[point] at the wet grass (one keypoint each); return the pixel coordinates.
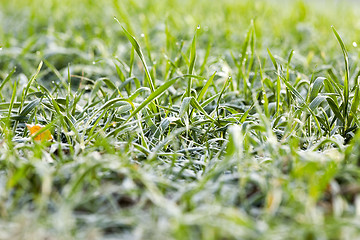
(179, 120)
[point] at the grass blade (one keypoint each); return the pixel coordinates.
(192, 62)
(7, 78)
(347, 71)
(159, 91)
(316, 86)
(335, 108)
(139, 52)
(205, 88)
(278, 84)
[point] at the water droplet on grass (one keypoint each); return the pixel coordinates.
(198, 27)
(93, 62)
(354, 44)
(142, 35)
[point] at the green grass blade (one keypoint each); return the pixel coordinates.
(209, 100)
(31, 80)
(346, 91)
(294, 91)
(29, 107)
(159, 91)
(245, 115)
(316, 86)
(195, 104)
(316, 102)
(354, 106)
(278, 83)
(205, 88)
(13, 97)
(273, 60)
(184, 106)
(335, 108)
(138, 50)
(7, 78)
(192, 62)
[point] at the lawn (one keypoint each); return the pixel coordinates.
(179, 119)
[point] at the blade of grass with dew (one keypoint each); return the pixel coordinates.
(242, 59)
(159, 91)
(205, 87)
(8, 77)
(226, 84)
(252, 42)
(278, 85)
(298, 95)
(346, 91)
(13, 97)
(315, 88)
(195, 104)
(354, 107)
(138, 50)
(192, 62)
(25, 91)
(265, 99)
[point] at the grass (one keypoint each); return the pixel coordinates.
(179, 120)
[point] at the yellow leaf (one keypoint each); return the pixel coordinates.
(44, 136)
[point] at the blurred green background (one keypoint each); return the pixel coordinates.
(84, 31)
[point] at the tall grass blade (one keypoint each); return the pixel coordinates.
(192, 62)
(346, 90)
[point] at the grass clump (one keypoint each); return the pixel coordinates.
(245, 128)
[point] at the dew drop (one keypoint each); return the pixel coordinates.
(93, 62)
(142, 35)
(354, 44)
(198, 27)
